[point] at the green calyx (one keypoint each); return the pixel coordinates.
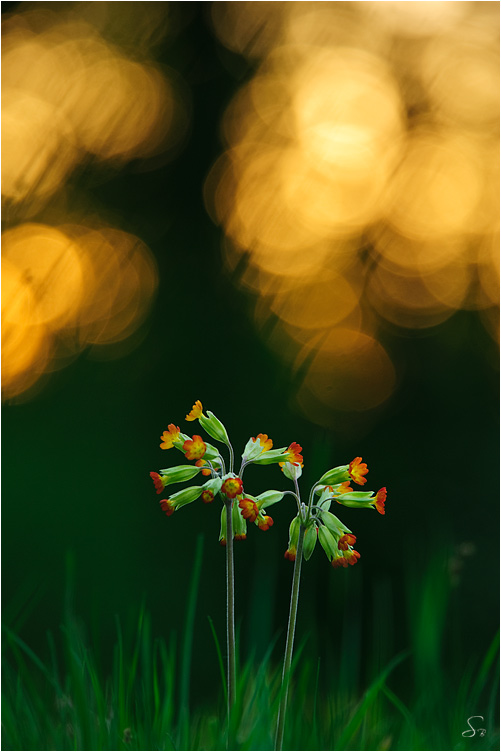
(333, 524)
(179, 473)
(268, 498)
(327, 541)
(239, 523)
(214, 485)
(214, 427)
(334, 476)
(271, 456)
(310, 540)
(186, 496)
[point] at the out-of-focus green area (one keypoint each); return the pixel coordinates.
(331, 305)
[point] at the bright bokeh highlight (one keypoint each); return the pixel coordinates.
(358, 189)
(80, 91)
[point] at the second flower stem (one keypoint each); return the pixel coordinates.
(291, 628)
(230, 609)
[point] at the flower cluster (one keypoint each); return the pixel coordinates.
(313, 522)
(321, 525)
(244, 507)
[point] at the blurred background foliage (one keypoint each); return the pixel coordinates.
(289, 211)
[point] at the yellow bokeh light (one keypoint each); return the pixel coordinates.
(316, 304)
(25, 345)
(38, 151)
(437, 188)
(64, 289)
(350, 371)
(138, 280)
(50, 265)
(364, 150)
(72, 95)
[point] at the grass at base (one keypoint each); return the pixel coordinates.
(137, 706)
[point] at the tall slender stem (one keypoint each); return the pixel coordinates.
(291, 627)
(230, 609)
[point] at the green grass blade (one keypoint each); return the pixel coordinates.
(184, 693)
(220, 660)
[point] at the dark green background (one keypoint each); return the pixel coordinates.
(76, 459)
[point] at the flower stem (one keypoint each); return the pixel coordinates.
(291, 627)
(230, 609)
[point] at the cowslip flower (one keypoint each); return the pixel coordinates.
(205, 468)
(180, 499)
(209, 462)
(345, 541)
(344, 558)
(207, 496)
(239, 525)
(292, 454)
(209, 423)
(337, 544)
(355, 471)
(178, 474)
(195, 412)
(316, 520)
(194, 448)
(256, 447)
(250, 510)
(291, 470)
(158, 482)
(264, 522)
(232, 486)
(293, 539)
(169, 437)
(364, 499)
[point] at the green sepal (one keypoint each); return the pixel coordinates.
(239, 523)
(214, 485)
(333, 524)
(292, 470)
(334, 476)
(179, 473)
(186, 496)
(214, 427)
(325, 499)
(268, 498)
(252, 450)
(222, 531)
(357, 499)
(357, 496)
(211, 453)
(294, 528)
(310, 541)
(327, 541)
(271, 456)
